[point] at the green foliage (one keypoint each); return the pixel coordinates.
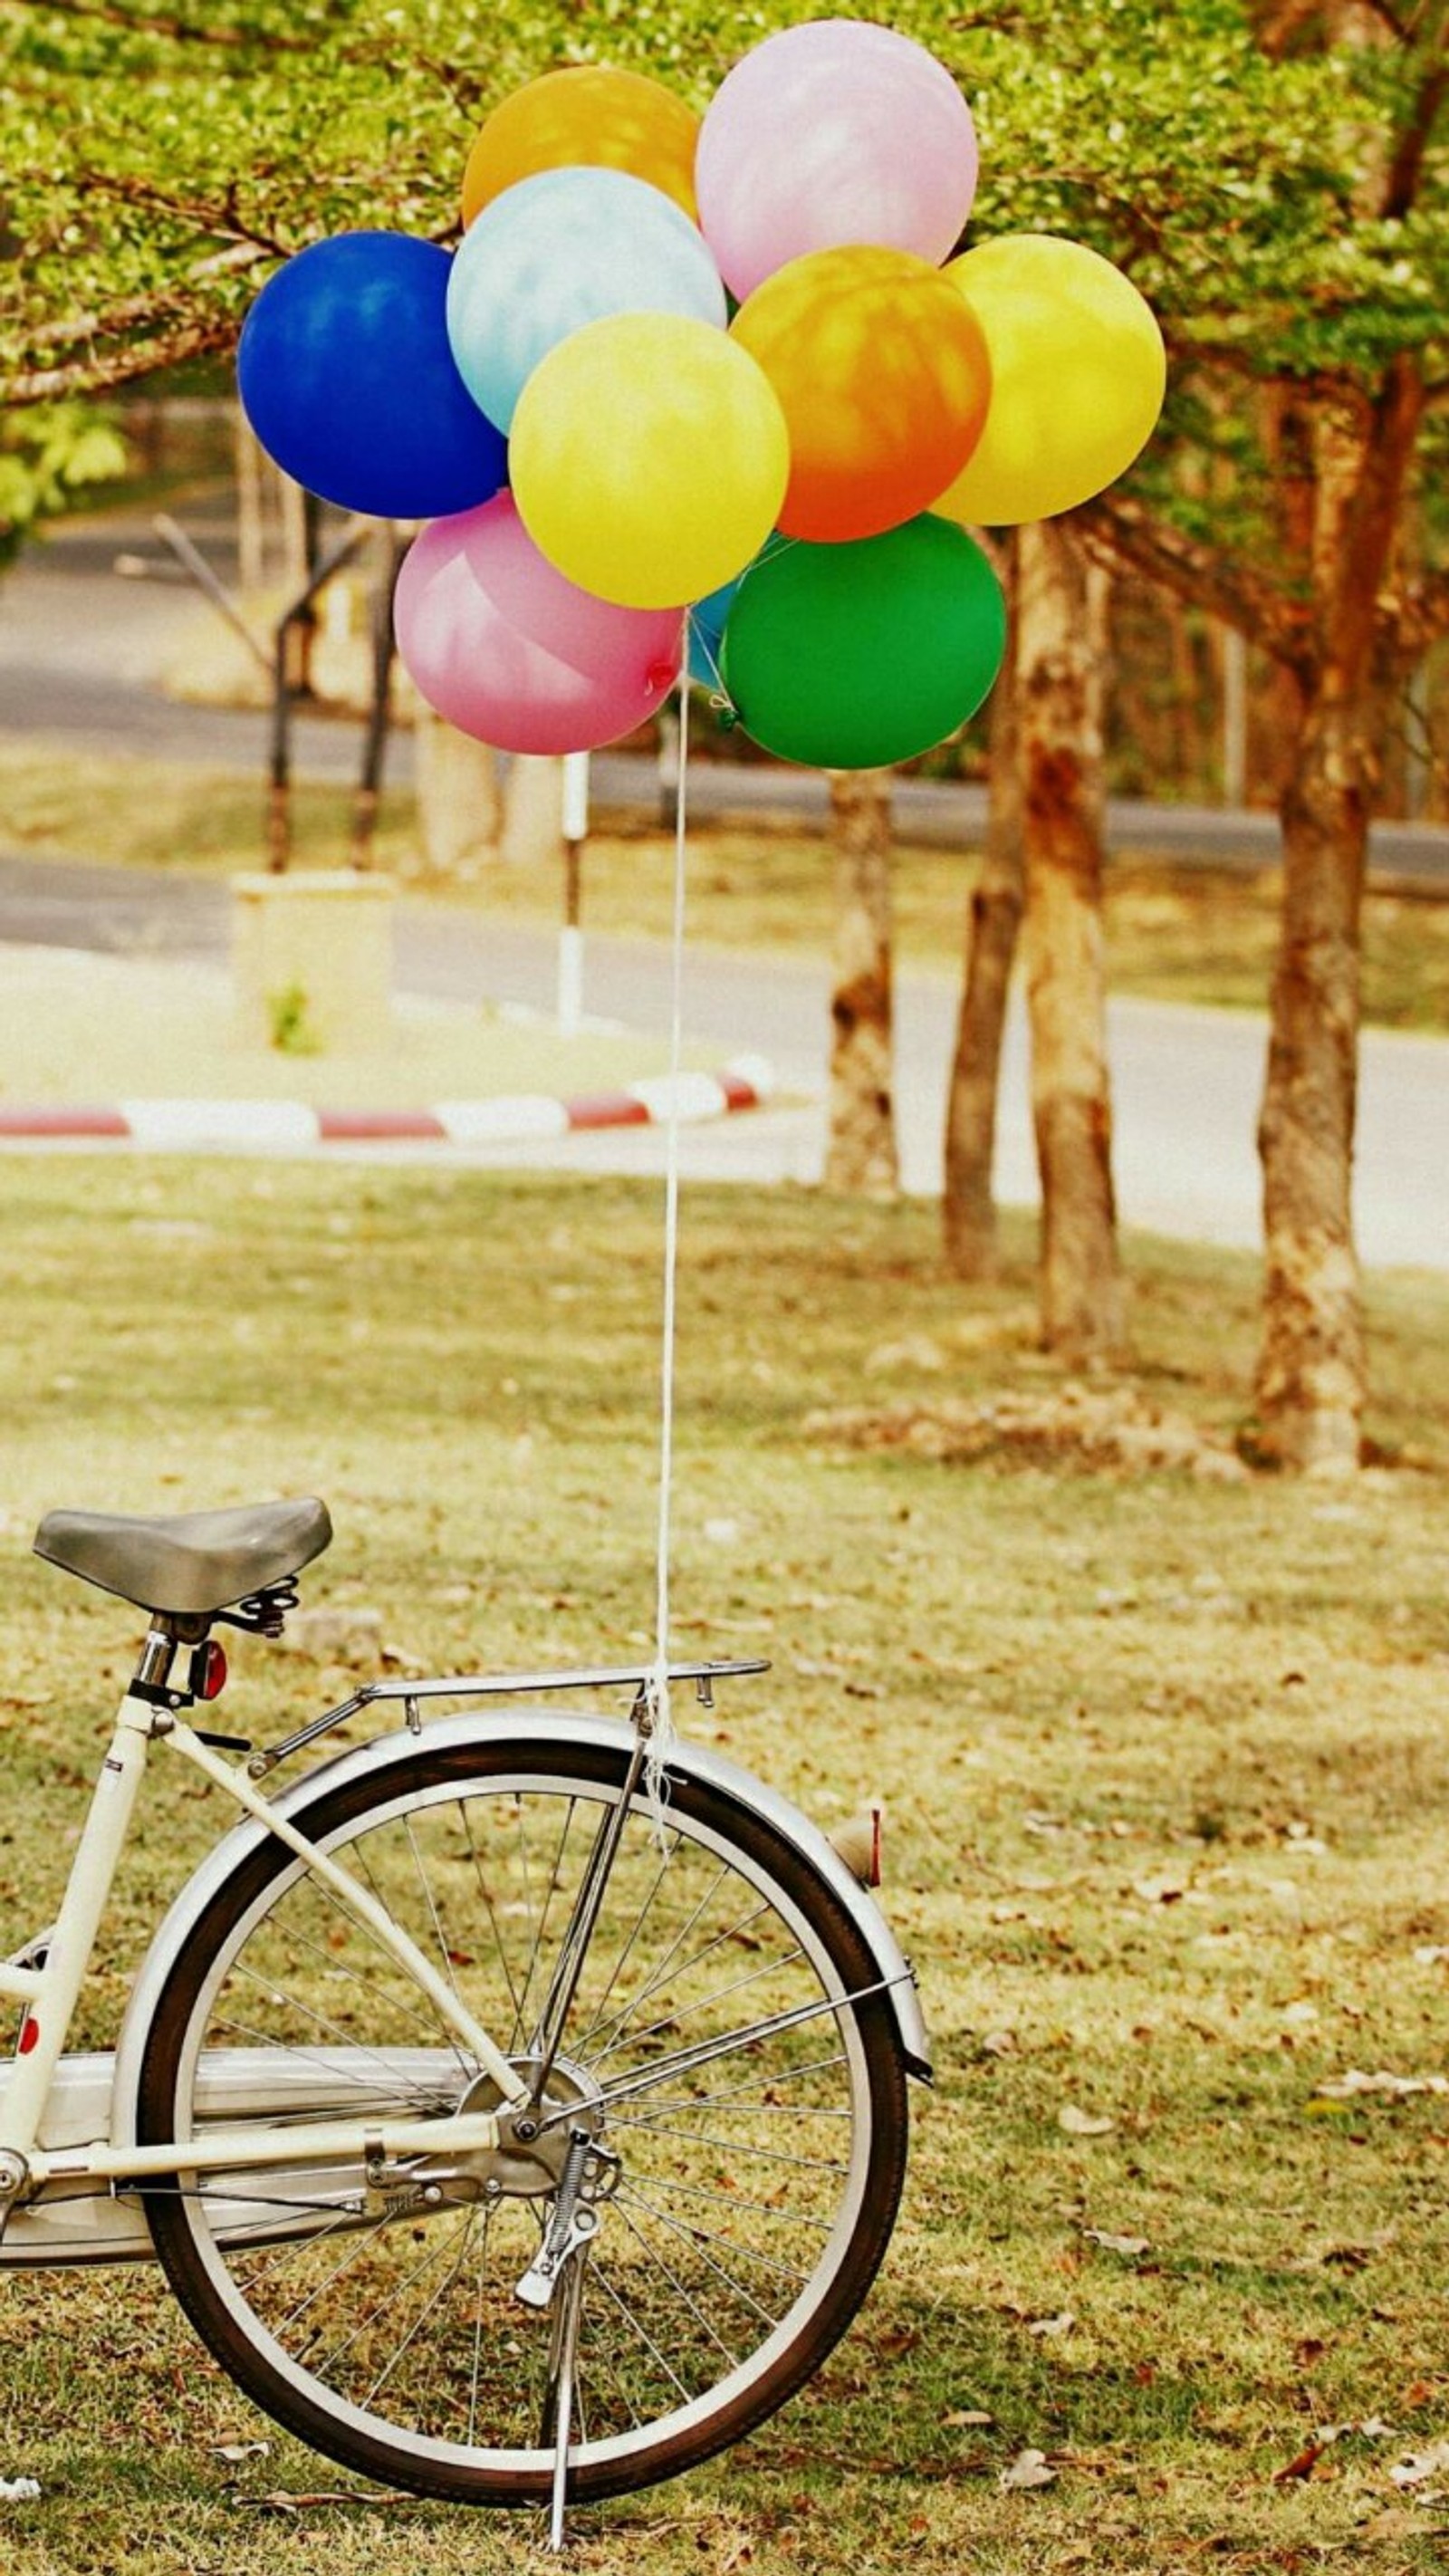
(157, 164)
(50, 458)
(1278, 188)
(290, 1023)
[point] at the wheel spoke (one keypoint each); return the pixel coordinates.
(690, 2302)
(751, 2158)
(585, 2042)
(671, 2020)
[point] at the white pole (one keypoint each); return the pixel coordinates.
(571, 937)
(576, 795)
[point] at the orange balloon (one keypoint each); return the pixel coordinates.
(882, 373)
(589, 118)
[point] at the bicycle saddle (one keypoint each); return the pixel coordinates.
(190, 1563)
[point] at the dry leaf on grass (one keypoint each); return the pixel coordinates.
(310, 2500)
(1047, 2326)
(1083, 2124)
(1420, 2466)
(1369, 2428)
(964, 2416)
(1127, 2245)
(1303, 2466)
(1393, 2088)
(1394, 2523)
(1028, 2469)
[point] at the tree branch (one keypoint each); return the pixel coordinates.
(1125, 532)
(145, 312)
(181, 31)
(102, 371)
(206, 216)
(1401, 188)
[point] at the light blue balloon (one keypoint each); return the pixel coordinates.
(561, 249)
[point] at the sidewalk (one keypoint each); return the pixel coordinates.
(98, 1050)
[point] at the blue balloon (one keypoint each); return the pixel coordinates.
(707, 619)
(706, 626)
(560, 249)
(345, 374)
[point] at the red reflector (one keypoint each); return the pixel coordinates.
(29, 2035)
(208, 1671)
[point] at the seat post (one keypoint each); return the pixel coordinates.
(169, 1630)
(158, 1654)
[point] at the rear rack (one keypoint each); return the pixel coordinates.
(631, 1677)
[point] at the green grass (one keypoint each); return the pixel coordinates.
(1202, 935)
(1167, 1787)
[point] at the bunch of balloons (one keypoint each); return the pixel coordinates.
(713, 390)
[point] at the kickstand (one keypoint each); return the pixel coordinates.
(559, 2400)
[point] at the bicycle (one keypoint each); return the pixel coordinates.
(516, 2120)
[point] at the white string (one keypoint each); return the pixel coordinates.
(661, 1720)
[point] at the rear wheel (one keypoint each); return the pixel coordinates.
(745, 2190)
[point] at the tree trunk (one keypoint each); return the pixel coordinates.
(993, 919)
(1311, 1367)
(459, 807)
(861, 1150)
(1059, 664)
(1311, 1361)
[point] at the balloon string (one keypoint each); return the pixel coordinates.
(661, 1721)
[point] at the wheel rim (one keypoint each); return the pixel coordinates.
(741, 2182)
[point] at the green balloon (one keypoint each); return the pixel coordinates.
(860, 655)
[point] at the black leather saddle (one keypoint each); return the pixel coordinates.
(189, 1564)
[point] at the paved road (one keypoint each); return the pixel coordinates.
(78, 651)
(1185, 1082)
(80, 648)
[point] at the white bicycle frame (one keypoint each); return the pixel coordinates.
(50, 1992)
(68, 2156)
(77, 2180)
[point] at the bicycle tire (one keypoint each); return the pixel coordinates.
(724, 2268)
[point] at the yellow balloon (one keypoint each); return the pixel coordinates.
(648, 459)
(1078, 374)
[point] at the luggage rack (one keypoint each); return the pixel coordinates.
(633, 1677)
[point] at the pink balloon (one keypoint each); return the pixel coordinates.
(507, 650)
(829, 133)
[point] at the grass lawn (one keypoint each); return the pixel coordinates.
(1166, 1770)
(1191, 935)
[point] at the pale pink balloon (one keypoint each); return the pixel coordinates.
(829, 133)
(508, 651)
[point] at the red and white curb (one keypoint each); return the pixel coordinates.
(284, 1126)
